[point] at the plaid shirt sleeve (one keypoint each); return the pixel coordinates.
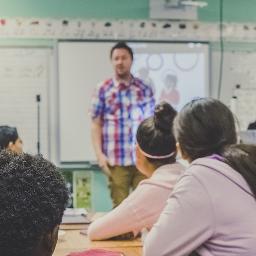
(97, 103)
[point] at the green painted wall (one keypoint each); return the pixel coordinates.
(131, 9)
(233, 10)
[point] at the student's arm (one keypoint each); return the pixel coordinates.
(186, 222)
(133, 214)
(119, 221)
(96, 133)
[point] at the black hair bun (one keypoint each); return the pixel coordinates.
(163, 116)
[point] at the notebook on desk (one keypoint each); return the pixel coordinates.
(74, 219)
(75, 216)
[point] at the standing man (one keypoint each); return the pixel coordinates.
(119, 105)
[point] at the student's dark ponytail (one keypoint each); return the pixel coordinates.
(155, 136)
(164, 115)
(242, 158)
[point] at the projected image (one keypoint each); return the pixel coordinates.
(174, 77)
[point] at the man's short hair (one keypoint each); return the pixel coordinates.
(121, 45)
(33, 197)
(252, 126)
(7, 134)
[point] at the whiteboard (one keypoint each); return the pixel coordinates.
(24, 73)
(238, 71)
(245, 106)
(83, 65)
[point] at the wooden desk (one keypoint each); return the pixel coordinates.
(73, 241)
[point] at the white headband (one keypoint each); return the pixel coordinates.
(155, 157)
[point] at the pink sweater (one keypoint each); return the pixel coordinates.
(141, 208)
(211, 210)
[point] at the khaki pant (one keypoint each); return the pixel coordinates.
(122, 179)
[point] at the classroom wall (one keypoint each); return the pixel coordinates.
(116, 9)
(233, 11)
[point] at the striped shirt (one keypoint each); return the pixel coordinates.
(121, 108)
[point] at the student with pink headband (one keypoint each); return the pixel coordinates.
(156, 158)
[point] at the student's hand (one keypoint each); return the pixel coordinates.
(104, 164)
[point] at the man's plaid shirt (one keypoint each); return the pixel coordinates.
(121, 108)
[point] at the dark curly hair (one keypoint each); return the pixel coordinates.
(33, 197)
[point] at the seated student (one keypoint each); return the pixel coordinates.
(212, 207)
(9, 139)
(33, 197)
(155, 152)
(252, 126)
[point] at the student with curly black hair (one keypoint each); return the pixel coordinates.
(9, 139)
(33, 197)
